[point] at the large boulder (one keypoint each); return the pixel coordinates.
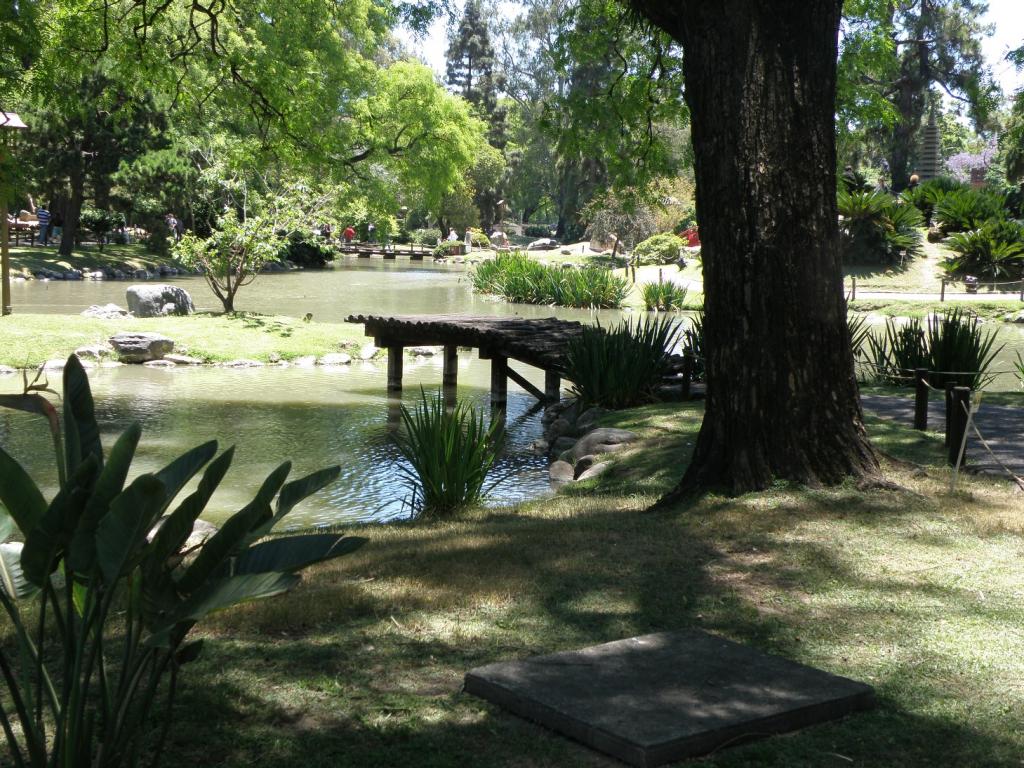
(140, 347)
(159, 300)
(602, 440)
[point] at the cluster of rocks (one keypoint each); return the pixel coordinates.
(280, 266)
(1014, 317)
(112, 273)
(575, 442)
(146, 301)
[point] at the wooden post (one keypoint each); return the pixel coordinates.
(552, 386)
(395, 369)
(451, 366)
(499, 382)
(921, 399)
(949, 407)
(853, 289)
(688, 362)
(942, 290)
(957, 425)
(5, 262)
(1021, 282)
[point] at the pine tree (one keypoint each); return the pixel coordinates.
(470, 70)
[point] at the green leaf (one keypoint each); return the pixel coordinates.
(122, 531)
(46, 543)
(21, 496)
(176, 474)
(219, 547)
(110, 483)
(7, 526)
(294, 492)
(224, 593)
(82, 433)
(292, 553)
(12, 578)
(176, 527)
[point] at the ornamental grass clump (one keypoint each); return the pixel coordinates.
(519, 278)
(621, 366)
(100, 593)
(449, 453)
(664, 296)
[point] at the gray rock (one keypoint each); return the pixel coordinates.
(539, 446)
(243, 363)
(588, 419)
(159, 300)
(561, 471)
(308, 361)
(183, 360)
(543, 244)
(92, 352)
(368, 352)
(132, 347)
(6, 370)
(560, 427)
(423, 351)
(603, 440)
(274, 357)
(584, 463)
(54, 365)
(105, 312)
(1015, 318)
(562, 445)
(595, 471)
(163, 363)
(334, 359)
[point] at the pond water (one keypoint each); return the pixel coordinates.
(316, 417)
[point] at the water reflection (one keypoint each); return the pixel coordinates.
(314, 417)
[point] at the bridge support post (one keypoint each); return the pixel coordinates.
(552, 386)
(450, 377)
(499, 382)
(395, 369)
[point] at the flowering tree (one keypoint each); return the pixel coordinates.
(961, 164)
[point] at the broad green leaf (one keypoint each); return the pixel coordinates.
(12, 578)
(110, 483)
(223, 593)
(219, 547)
(46, 543)
(176, 474)
(122, 531)
(7, 526)
(80, 428)
(176, 527)
(21, 496)
(294, 492)
(292, 553)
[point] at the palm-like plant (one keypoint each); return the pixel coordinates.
(995, 250)
(877, 228)
(101, 598)
(962, 210)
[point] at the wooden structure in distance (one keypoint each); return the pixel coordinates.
(542, 343)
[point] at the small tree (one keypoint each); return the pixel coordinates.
(241, 244)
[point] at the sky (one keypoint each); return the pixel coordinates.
(1006, 15)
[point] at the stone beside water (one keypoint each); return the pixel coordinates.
(658, 698)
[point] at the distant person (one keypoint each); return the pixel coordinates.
(348, 234)
(499, 239)
(172, 225)
(915, 181)
(43, 216)
(469, 240)
(371, 231)
(56, 226)
(453, 236)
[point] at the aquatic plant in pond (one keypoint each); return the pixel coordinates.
(100, 597)
(662, 295)
(621, 366)
(450, 454)
(517, 277)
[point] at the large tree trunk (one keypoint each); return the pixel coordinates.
(782, 399)
(72, 213)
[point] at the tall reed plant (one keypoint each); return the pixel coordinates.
(663, 296)
(621, 366)
(450, 454)
(693, 344)
(517, 277)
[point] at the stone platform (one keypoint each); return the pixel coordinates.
(654, 699)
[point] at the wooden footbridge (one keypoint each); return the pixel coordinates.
(542, 343)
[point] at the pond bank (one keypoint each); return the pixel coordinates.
(363, 663)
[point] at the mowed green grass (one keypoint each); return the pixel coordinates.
(26, 259)
(917, 592)
(30, 340)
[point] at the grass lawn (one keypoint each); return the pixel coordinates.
(919, 594)
(918, 275)
(29, 340)
(26, 259)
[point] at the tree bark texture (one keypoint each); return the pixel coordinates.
(782, 400)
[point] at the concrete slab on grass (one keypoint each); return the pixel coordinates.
(654, 699)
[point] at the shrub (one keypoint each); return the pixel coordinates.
(424, 236)
(449, 455)
(665, 296)
(517, 277)
(925, 195)
(101, 600)
(962, 210)
(994, 251)
(659, 249)
(876, 228)
(537, 230)
(479, 239)
(622, 366)
(952, 347)
(306, 250)
(101, 222)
